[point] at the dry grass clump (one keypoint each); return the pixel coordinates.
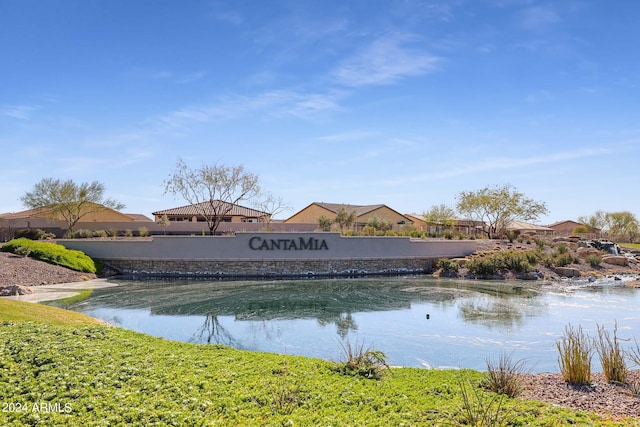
(503, 376)
(612, 357)
(575, 350)
(359, 360)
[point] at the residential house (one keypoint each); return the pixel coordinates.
(363, 213)
(565, 228)
(231, 213)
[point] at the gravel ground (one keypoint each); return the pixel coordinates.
(19, 275)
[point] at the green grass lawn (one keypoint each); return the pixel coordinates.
(19, 311)
(92, 375)
(630, 245)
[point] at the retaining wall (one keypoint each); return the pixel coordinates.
(271, 254)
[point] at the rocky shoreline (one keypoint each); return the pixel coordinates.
(20, 276)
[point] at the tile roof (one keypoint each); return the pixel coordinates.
(220, 206)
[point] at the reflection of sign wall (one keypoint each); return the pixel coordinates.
(300, 244)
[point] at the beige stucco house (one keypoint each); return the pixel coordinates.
(363, 213)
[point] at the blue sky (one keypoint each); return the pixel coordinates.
(405, 103)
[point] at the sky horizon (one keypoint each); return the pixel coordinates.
(405, 103)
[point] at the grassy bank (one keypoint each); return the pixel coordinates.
(19, 311)
(85, 374)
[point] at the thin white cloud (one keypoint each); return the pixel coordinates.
(21, 112)
(346, 136)
(191, 77)
(538, 18)
(538, 96)
(273, 104)
(230, 17)
(502, 163)
(162, 75)
(386, 61)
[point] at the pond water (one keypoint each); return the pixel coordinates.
(417, 321)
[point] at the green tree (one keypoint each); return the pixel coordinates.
(497, 206)
(344, 217)
(598, 222)
(440, 216)
(212, 190)
(325, 223)
(163, 222)
(379, 224)
(69, 200)
(623, 225)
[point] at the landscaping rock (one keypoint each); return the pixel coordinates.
(616, 260)
(14, 290)
(567, 272)
(584, 252)
(633, 283)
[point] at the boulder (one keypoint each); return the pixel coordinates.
(616, 260)
(584, 252)
(567, 271)
(14, 290)
(633, 283)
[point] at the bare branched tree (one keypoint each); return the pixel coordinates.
(212, 190)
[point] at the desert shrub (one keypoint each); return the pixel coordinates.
(562, 259)
(112, 232)
(366, 362)
(534, 257)
(611, 355)
(561, 249)
(484, 266)
(575, 350)
(143, 231)
(593, 260)
(503, 376)
(52, 253)
(520, 262)
(447, 264)
(81, 234)
(511, 260)
(100, 233)
(539, 242)
(447, 234)
(128, 233)
(33, 234)
(367, 230)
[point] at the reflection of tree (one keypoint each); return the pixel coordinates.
(492, 312)
(212, 331)
(344, 323)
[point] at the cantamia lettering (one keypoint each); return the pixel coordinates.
(299, 244)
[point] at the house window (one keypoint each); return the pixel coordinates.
(249, 220)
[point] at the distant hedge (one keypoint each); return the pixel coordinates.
(52, 253)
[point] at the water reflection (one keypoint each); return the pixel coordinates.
(467, 320)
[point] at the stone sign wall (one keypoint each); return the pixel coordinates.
(270, 254)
